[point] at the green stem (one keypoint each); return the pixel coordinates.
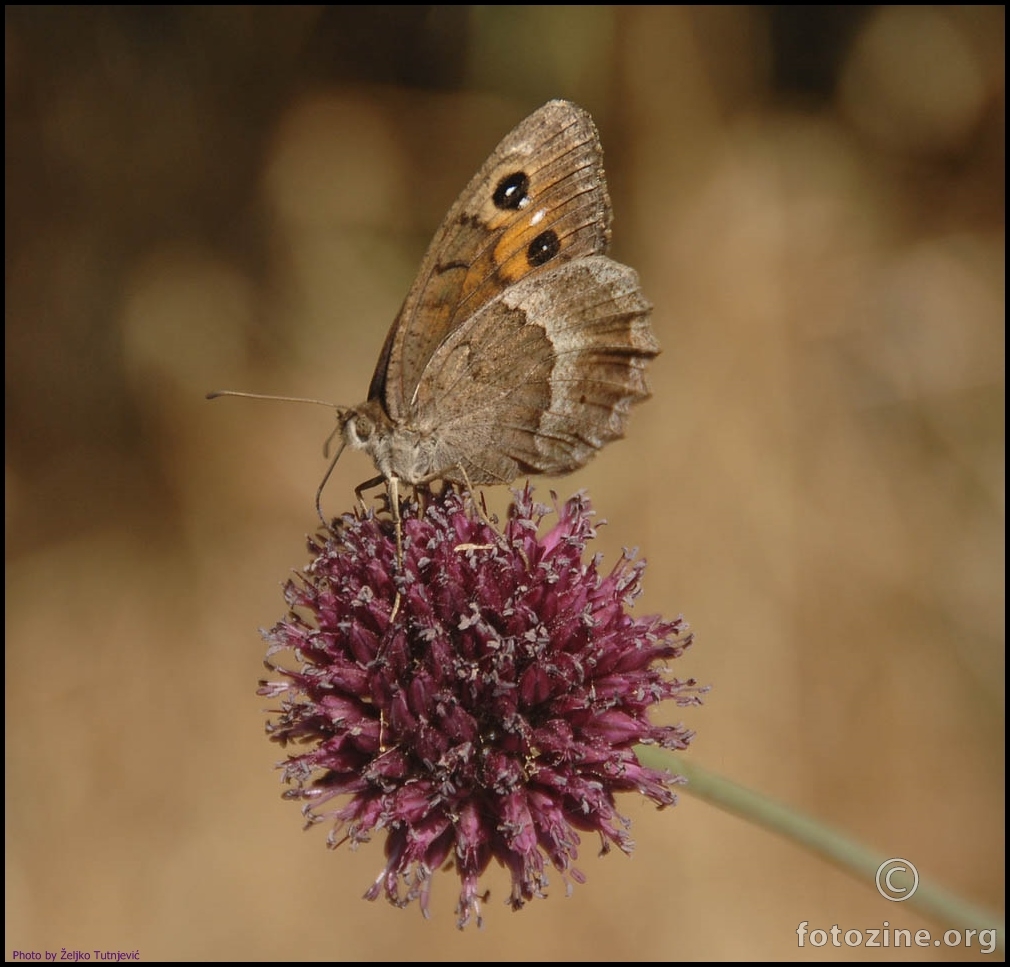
(936, 903)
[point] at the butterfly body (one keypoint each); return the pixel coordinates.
(521, 347)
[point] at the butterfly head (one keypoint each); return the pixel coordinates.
(359, 424)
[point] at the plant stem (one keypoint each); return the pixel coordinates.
(935, 902)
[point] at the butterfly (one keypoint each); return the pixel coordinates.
(521, 346)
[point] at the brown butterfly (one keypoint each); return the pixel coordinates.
(520, 346)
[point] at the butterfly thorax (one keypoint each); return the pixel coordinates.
(398, 450)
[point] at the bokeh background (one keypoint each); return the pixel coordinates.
(207, 197)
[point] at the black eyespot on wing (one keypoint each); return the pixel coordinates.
(543, 248)
(512, 191)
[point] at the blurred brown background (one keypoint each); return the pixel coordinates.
(237, 197)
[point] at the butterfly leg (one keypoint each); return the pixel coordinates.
(367, 485)
(478, 504)
(421, 494)
(393, 493)
(393, 499)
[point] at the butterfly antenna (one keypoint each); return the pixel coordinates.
(342, 412)
(215, 394)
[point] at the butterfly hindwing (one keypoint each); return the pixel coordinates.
(542, 377)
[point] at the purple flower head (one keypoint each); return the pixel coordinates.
(478, 700)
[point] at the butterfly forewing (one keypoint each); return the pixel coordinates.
(539, 200)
